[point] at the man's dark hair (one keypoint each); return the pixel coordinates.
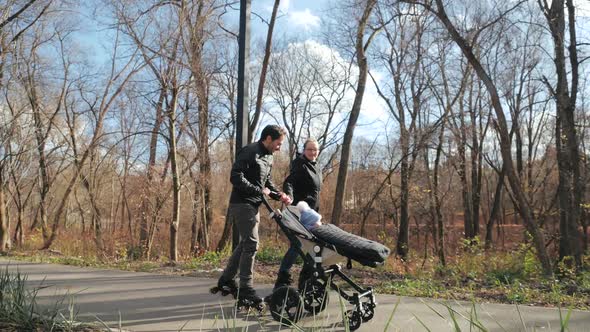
(273, 131)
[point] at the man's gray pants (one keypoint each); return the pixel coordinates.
(246, 218)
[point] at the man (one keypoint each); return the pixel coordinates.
(250, 177)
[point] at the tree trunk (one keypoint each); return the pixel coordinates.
(19, 234)
(228, 232)
(44, 177)
(402, 246)
(354, 114)
(194, 246)
(570, 186)
(496, 207)
(227, 226)
(96, 214)
(466, 194)
(204, 166)
(263, 70)
(174, 223)
(203, 234)
(476, 167)
(144, 227)
(434, 195)
(4, 232)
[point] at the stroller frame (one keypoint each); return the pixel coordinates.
(314, 279)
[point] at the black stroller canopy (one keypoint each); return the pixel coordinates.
(291, 221)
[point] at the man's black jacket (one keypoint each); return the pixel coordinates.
(250, 173)
(304, 182)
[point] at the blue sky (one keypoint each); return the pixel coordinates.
(302, 15)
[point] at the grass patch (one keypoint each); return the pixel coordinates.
(413, 287)
(207, 260)
(19, 310)
(270, 254)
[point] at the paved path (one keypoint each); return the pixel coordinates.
(154, 302)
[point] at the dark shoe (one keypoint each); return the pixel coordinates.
(226, 287)
(248, 295)
(283, 279)
(231, 284)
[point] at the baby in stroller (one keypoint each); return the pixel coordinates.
(322, 247)
(308, 217)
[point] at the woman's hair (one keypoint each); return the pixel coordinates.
(309, 140)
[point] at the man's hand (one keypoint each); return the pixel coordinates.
(286, 198)
(266, 191)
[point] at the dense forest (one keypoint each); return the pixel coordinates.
(439, 123)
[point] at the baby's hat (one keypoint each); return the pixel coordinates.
(308, 216)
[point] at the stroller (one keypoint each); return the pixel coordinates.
(322, 251)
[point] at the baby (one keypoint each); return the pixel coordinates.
(309, 217)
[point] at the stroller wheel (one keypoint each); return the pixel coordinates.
(368, 311)
(315, 296)
(286, 305)
(354, 319)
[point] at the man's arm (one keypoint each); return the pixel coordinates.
(238, 178)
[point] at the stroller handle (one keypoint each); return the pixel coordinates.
(267, 204)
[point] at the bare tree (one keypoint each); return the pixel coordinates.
(308, 83)
(446, 98)
(360, 46)
(403, 94)
(438, 9)
(99, 106)
(225, 85)
(570, 187)
(15, 23)
(198, 26)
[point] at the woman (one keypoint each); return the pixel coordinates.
(303, 184)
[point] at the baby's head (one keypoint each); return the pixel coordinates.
(302, 206)
(309, 217)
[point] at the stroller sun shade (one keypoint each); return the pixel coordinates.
(291, 221)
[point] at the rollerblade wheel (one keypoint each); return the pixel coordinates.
(246, 306)
(260, 307)
(214, 290)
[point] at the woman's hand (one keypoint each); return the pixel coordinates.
(286, 198)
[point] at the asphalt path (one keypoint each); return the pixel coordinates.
(137, 301)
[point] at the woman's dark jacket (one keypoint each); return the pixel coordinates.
(304, 182)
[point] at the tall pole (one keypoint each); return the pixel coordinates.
(242, 122)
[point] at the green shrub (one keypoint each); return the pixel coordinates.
(506, 276)
(270, 254)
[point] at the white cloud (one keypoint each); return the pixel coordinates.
(304, 18)
(284, 5)
(582, 7)
(374, 112)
